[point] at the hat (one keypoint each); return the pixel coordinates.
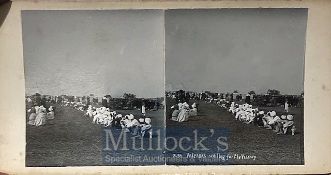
(141, 120)
(261, 112)
(148, 120)
(289, 117)
(283, 117)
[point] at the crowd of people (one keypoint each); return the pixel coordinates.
(129, 123)
(280, 124)
(182, 111)
(39, 115)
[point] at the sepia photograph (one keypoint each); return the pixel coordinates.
(165, 87)
(94, 85)
(235, 86)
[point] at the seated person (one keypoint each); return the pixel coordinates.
(50, 114)
(258, 119)
(89, 111)
(123, 122)
(174, 113)
(41, 116)
(267, 118)
(288, 124)
(194, 110)
(274, 121)
(132, 125)
(146, 127)
(32, 115)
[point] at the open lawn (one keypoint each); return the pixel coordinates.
(73, 140)
(267, 146)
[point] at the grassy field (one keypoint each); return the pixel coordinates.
(268, 147)
(71, 139)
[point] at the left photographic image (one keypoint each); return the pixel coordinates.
(94, 85)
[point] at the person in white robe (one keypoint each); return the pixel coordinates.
(32, 115)
(286, 106)
(289, 123)
(194, 110)
(239, 112)
(267, 118)
(97, 116)
(146, 127)
(184, 113)
(175, 112)
(41, 117)
(124, 122)
(89, 111)
(132, 125)
(143, 110)
(50, 114)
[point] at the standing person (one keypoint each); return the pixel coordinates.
(286, 106)
(143, 109)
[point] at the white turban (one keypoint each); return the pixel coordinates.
(290, 117)
(148, 120)
(273, 113)
(130, 117)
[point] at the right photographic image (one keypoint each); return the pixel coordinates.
(234, 81)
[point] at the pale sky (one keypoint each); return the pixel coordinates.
(224, 50)
(113, 52)
(94, 52)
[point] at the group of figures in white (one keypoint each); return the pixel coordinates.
(39, 115)
(280, 124)
(128, 123)
(182, 111)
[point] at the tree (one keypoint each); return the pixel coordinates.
(108, 96)
(251, 92)
(129, 96)
(273, 92)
